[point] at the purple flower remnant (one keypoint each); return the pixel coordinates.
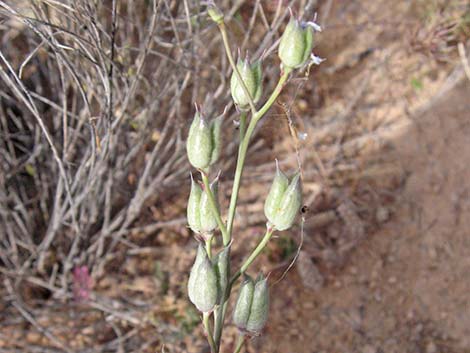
(82, 283)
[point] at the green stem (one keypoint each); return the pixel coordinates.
(209, 246)
(240, 342)
(244, 148)
(215, 210)
(242, 126)
(262, 244)
(219, 317)
(223, 32)
(207, 329)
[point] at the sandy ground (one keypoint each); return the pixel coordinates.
(405, 289)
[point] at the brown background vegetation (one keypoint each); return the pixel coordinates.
(110, 86)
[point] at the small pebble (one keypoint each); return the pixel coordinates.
(431, 347)
(369, 349)
(382, 214)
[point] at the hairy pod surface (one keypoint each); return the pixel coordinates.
(215, 14)
(193, 209)
(200, 254)
(216, 135)
(199, 145)
(202, 284)
(290, 205)
(207, 218)
(242, 309)
(296, 44)
(273, 200)
(222, 269)
(252, 77)
(283, 201)
(259, 307)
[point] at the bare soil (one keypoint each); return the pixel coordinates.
(405, 289)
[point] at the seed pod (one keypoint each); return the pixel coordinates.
(252, 77)
(222, 269)
(215, 14)
(193, 208)
(199, 144)
(278, 188)
(242, 309)
(216, 134)
(290, 205)
(284, 200)
(296, 44)
(202, 288)
(207, 218)
(259, 307)
(201, 253)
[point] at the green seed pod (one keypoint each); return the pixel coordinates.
(201, 253)
(296, 44)
(207, 219)
(202, 288)
(290, 205)
(252, 77)
(199, 144)
(215, 14)
(216, 134)
(284, 200)
(273, 200)
(193, 208)
(242, 309)
(259, 307)
(222, 269)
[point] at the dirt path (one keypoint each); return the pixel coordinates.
(407, 288)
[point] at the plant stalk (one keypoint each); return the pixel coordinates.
(209, 246)
(240, 342)
(207, 329)
(245, 136)
(242, 150)
(244, 143)
(262, 244)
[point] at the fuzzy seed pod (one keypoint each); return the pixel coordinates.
(296, 44)
(199, 145)
(290, 204)
(201, 252)
(278, 187)
(283, 202)
(215, 14)
(202, 284)
(242, 309)
(252, 77)
(259, 307)
(222, 269)
(207, 219)
(216, 134)
(199, 211)
(193, 208)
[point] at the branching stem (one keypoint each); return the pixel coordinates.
(262, 244)
(244, 143)
(245, 136)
